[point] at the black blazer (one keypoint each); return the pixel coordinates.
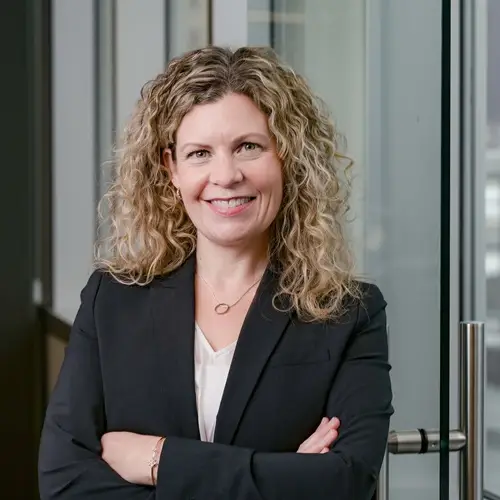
(129, 366)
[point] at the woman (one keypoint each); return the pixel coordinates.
(223, 349)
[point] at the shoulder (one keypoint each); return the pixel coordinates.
(371, 309)
(371, 299)
(111, 305)
(89, 291)
(361, 310)
(101, 284)
(97, 279)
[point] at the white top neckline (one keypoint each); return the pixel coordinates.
(201, 337)
(211, 371)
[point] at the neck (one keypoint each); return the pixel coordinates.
(230, 267)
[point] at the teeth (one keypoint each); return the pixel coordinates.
(233, 202)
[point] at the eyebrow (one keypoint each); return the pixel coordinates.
(237, 140)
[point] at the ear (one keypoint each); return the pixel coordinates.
(170, 165)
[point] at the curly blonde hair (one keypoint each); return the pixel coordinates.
(150, 233)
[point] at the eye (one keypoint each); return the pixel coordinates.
(199, 154)
(250, 148)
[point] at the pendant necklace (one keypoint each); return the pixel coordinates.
(223, 307)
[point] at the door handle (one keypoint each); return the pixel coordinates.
(472, 409)
(468, 440)
(423, 441)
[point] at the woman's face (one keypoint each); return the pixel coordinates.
(228, 171)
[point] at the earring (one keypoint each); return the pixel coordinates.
(178, 193)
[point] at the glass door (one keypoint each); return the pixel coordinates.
(378, 64)
(481, 171)
(391, 71)
(415, 88)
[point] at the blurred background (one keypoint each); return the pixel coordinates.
(414, 86)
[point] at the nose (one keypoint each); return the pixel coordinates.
(225, 171)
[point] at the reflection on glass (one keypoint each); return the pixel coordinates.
(188, 25)
(280, 24)
(492, 264)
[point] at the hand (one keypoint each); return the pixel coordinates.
(322, 438)
(128, 454)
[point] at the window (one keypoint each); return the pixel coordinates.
(103, 52)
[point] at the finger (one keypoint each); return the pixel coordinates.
(318, 433)
(324, 442)
(323, 422)
(320, 445)
(319, 439)
(312, 444)
(329, 438)
(334, 423)
(322, 436)
(331, 425)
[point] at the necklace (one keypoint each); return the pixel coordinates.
(222, 307)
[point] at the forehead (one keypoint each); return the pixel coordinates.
(232, 116)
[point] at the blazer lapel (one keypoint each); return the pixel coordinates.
(173, 318)
(261, 331)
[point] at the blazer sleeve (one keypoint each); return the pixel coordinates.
(70, 464)
(360, 395)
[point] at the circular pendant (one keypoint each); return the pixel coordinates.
(222, 308)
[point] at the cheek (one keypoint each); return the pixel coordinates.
(268, 179)
(190, 184)
(276, 183)
(273, 192)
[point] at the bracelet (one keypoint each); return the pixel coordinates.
(155, 459)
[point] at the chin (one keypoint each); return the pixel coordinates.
(234, 238)
(232, 241)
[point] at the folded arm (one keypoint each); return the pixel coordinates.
(70, 463)
(361, 397)
(71, 467)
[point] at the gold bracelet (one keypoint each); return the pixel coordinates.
(155, 459)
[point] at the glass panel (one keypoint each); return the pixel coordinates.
(73, 152)
(188, 25)
(131, 51)
(366, 60)
(492, 263)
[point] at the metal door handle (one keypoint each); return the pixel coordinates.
(468, 440)
(423, 441)
(472, 409)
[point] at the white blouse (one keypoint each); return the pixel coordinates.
(211, 371)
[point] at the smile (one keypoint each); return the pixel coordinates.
(233, 202)
(232, 206)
